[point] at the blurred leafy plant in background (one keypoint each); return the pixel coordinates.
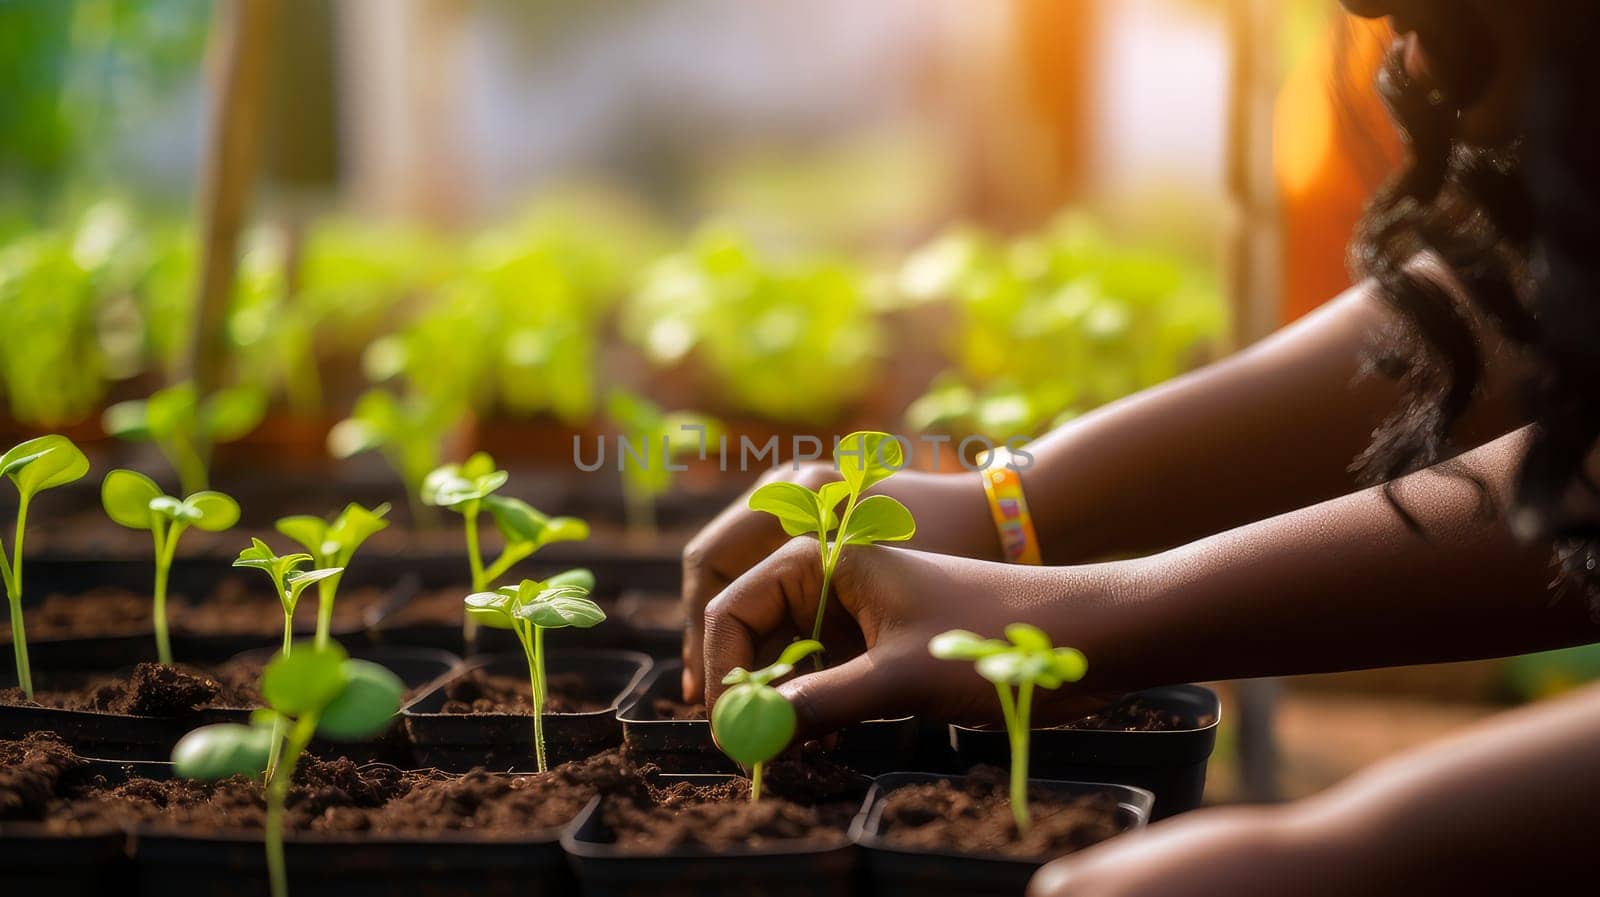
(1054, 324)
(784, 338)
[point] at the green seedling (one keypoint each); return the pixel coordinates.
(528, 609)
(658, 437)
(314, 691)
(409, 433)
(752, 722)
(468, 489)
(1016, 668)
(333, 544)
(33, 466)
(865, 459)
(185, 427)
(135, 501)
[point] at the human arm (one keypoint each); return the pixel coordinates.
(1505, 808)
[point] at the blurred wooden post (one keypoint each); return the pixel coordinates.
(234, 132)
(1254, 282)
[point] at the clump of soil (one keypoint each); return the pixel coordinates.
(669, 709)
(42, 781)
(480, 691)
(233, 609)
(1138, 715)
(149, 689)
(974, 817)
(804, 803)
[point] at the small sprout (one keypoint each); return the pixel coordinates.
(865, 459)
(752, 722)
(32, 466)
(135, 501)
(409, 433)
(185, 427)
(287, 579)
(528, 609)
(658, 437)
(1026, 662)
(333, 545)
(469, 489)
(317, 690)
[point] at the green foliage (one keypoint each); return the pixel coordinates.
(410, 433)
(32, 466)
(865, 458)
(785, 339)
(1057, 323)
(185, 427)
(528, 609)
(469, 489)
(660, 437)
(1016, 667)
(333, 544)
(133, 500)
(317, 690)
(751, 721)
(288, 580)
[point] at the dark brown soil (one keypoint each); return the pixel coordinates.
(148, 689)
(1137, 715)
(804, 803)
(479, 691)
(669, 709)
(975, 818)
(42, 781)
(232, 610)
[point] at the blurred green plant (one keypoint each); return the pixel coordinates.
(409, 433)
(186, 427)
(659, 437)
(1055, 324)
(787, 339)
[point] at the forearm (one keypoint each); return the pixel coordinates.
(1340, 585)
(1272, 428)
(1506, 808)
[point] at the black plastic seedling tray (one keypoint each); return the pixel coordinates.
(1169, 763)
(892, 871)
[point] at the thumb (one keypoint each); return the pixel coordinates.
(830, 699)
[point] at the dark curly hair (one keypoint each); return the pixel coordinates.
(1518, 228)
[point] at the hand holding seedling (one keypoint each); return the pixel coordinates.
(317, 690)
(32, 466)
(333, 545)
(135, 501)
(752, 722)
(1029, 661)
(864, 459)
(530, 608)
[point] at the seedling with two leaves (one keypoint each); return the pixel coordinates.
(185, 426)
(865, 459)
(528, 609)
(468, 489)
(135, 501)
(332, 544)
(752, 722)
(317, 690)
(1016, 668)
(32, 466)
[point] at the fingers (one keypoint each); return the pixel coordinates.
(830, 699)
(772, 596)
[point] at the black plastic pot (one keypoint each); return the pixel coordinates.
(1171, 764)
(458, 742)
(605, 870)
(168, 861)
(686, 746)
(124, 737)
(36, 861)
(891, 871)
